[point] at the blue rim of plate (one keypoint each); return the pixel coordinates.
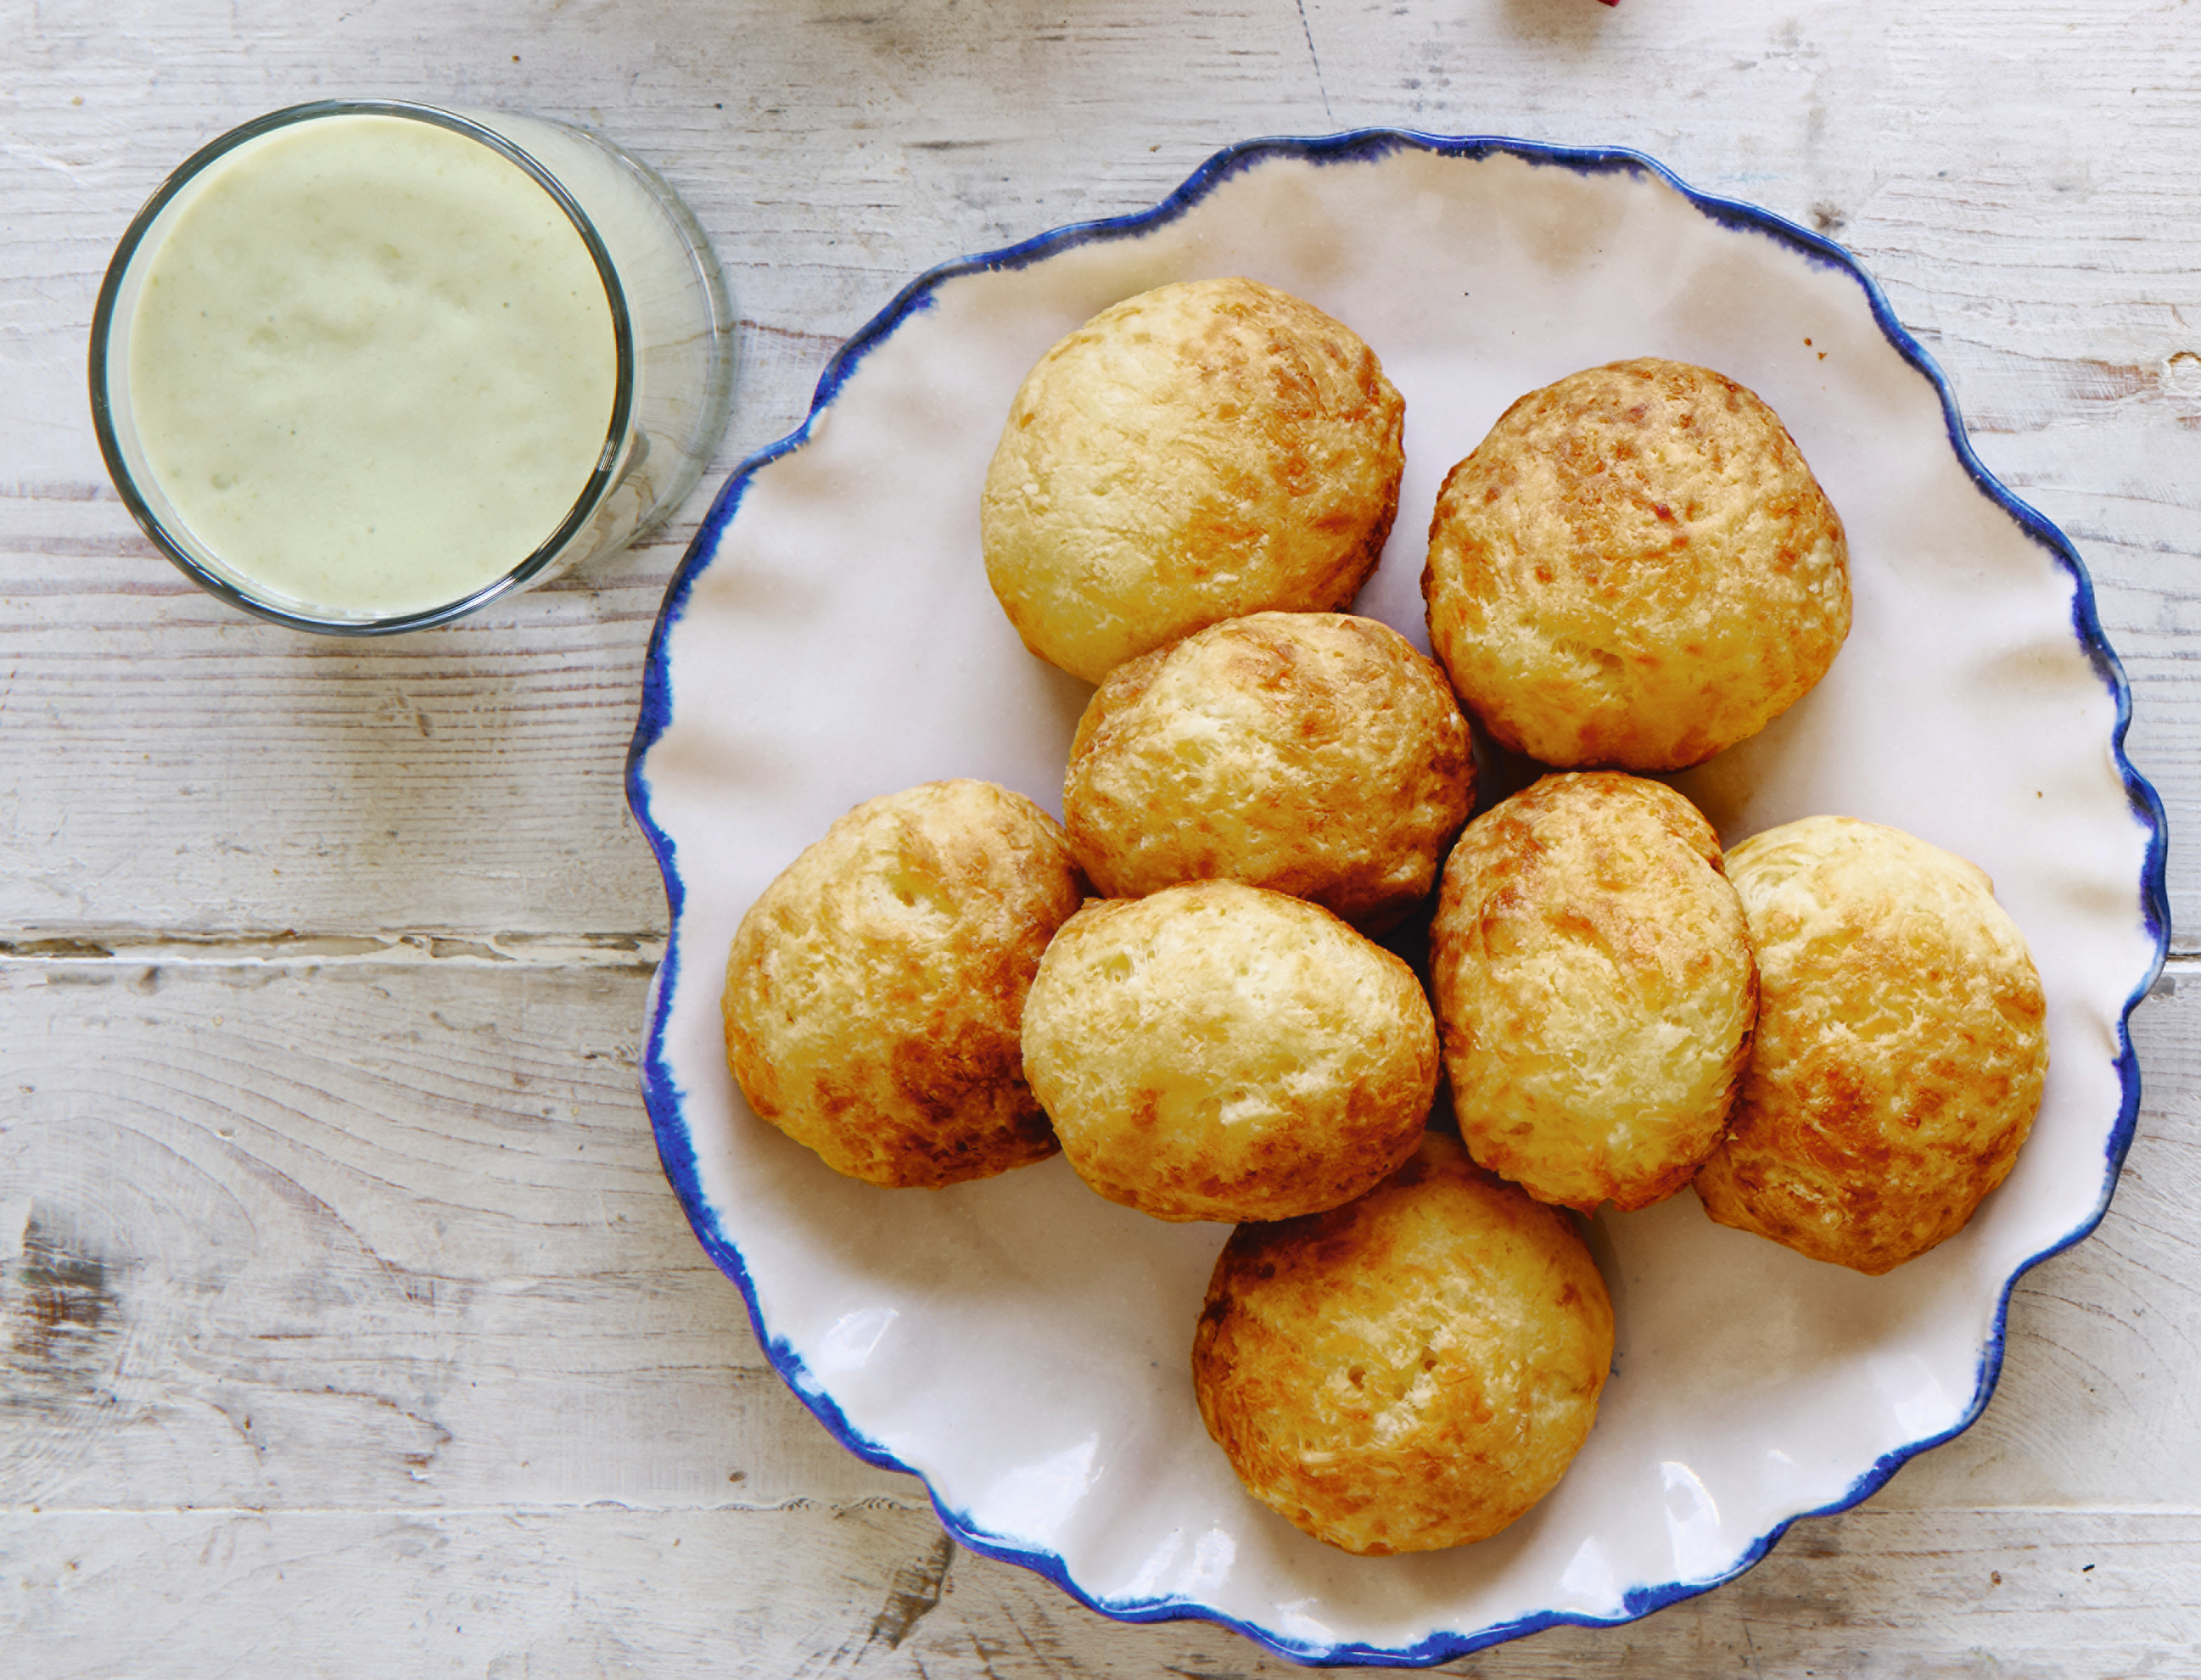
(662, 1095)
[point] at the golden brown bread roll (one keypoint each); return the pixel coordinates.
(1901, 1047)
(1636, 568)
(1593, 981)
(1221, 1052)
(875, 992)
(1203, 450)
(1412, 1371)
(1316, 754)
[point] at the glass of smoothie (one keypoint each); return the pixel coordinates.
(363, 366)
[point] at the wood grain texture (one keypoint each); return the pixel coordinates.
(298, 1235)
(309, 1270)
(347, 1323)
(2028, 210)
(878, 1590)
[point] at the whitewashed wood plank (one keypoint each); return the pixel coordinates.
(361, 1236)
(366, 1236)
(878, 1590)
(169, 764)
(226, 776)
(2040, 237)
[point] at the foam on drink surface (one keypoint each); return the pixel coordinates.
(372, 364)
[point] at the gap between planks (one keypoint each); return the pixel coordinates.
(135, 948)
(916, 1502)
(640, 951)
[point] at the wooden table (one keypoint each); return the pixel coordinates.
(347, 1325)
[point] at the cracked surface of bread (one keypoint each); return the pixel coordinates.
(1412, 1371)
(1902, 1045)
(1634, 569)
(1216, 1051)
(1316, 754)
(1594, 985)
(875, 992)
(1209, 449)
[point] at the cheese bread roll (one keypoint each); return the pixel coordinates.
(1902, 1045)
(1593, 975)
(1200, 451)
(875, 992)
(1412, 1371)
(1216, 1051)
(1316, 754)
(1634, 569)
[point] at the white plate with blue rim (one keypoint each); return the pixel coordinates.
(1023, 1345)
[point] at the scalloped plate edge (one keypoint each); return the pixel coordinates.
(663, 1097)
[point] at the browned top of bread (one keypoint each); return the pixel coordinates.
(1594, 983)
(875, 990)
(1216, 1051)
(1901, 1049)
(1636, 568)
(1313, 753)
(1412, 1371)
(1199, 451)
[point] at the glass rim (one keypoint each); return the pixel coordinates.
(101, 374)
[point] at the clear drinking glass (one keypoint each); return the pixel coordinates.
(313, 393)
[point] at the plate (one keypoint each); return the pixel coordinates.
(1023, 1345)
